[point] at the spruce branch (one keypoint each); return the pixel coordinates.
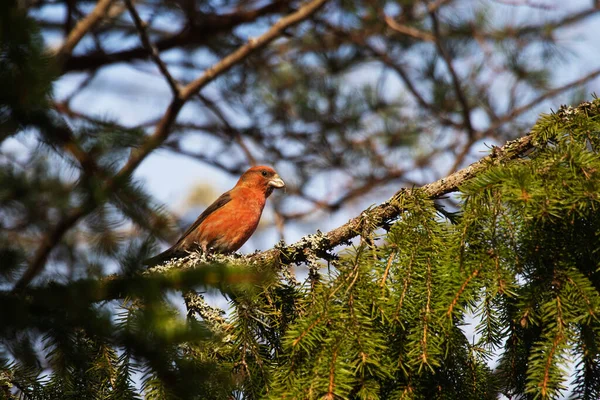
(321, 244)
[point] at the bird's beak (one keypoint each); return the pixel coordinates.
(277, 182)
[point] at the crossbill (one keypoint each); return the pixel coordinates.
(230, 221)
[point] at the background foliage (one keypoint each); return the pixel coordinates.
(356, 97)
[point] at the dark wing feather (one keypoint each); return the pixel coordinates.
(172, 252)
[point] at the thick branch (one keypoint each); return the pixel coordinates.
(253, 44)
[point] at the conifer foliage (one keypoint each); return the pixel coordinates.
(387, 319)
(500, 296)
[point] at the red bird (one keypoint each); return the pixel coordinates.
(230, 221)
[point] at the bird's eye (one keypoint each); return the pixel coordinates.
(265, 173)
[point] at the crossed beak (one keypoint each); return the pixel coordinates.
(277, 182)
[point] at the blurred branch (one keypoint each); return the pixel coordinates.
(515, 112)
(230, 129)
(141, 28)
(82, 28)
(561, 23)
(198, 32)
(164, 125)
(544, 29)
(253, 44)
(460, 95)
(176, 147)
(216, 272)
(528, 3)
(408, 30)
(47, 244)
(381, 55)
(353, 193)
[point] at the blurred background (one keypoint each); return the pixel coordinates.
(352, 103)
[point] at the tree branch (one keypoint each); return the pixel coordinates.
(199, 32)
(409, 30)
(462, 99)
(115, 286)
(82, 28)
(141, 28)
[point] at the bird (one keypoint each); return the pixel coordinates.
(230, 220)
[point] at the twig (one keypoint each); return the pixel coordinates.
(408, 30)
(141, 28)
(83, 27)
(230, 129)
(549, 94)
(455, 79)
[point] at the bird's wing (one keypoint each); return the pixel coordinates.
(173, 252)
(220, 202)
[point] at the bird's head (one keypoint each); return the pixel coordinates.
(262, 177)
